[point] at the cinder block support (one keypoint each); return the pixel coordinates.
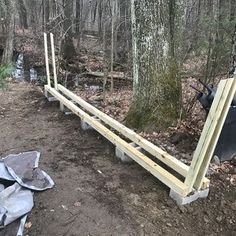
(86, 126)
(49, 96)
(64, 109)
(180, 200)
(123, 156)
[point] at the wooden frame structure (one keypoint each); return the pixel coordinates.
(193, 176)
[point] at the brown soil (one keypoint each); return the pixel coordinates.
(95, 194)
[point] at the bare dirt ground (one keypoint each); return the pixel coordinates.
(96, 194)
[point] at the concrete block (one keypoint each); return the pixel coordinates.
(123, 156)
(67, 113)
(45, 93)
(85, 126)
(52, 99)
(49, 96)
(180, 200)
(64, 109)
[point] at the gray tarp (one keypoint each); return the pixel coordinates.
(4, 174)
(16, 228)
(24, 169)
(17, 200)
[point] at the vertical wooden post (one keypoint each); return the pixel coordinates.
(46, 59)
(53, 61)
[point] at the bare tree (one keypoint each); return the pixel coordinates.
(23, 14)
(68, 50)
(8, 51)
(156, 84)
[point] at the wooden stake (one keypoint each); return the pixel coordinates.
(53, 60)
(46, 59)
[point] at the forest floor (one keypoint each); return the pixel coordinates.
(94, 193)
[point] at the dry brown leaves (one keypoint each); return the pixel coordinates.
(116, 104)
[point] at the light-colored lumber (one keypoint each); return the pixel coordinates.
(53, 60)
(208, 131)
(216, 134)
(143, 143)
(46, 59)
(168, 179)
(163, 156)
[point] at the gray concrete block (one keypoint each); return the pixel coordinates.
(67, 113)
(49, 96)
(45, 93)
(64, 109)
(180, 200)
(85, 126)
(123, 156)
(52, 99)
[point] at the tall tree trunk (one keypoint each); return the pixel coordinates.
(232, 68)
(47, 11)
(112, 42)
(8, 51)
(68, 50)
(100, 18)
(78, 18)
(43, 15)
(23, 14)
(77, 22)
(156, 85)
(216, 48)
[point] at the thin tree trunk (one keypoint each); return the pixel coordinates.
(68, 49)
(43, 15)
(47, 14)
(105, 69)
(112, 43)
(23, 14)
(8, 51)
(78, 18)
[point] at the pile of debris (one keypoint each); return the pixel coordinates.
(19, 177)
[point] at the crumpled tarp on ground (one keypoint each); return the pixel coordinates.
(15, 228)
(24, 169)
(4, 174)
(16, 200)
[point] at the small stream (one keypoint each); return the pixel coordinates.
(20, 74)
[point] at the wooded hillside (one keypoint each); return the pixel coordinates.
(171, 41)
